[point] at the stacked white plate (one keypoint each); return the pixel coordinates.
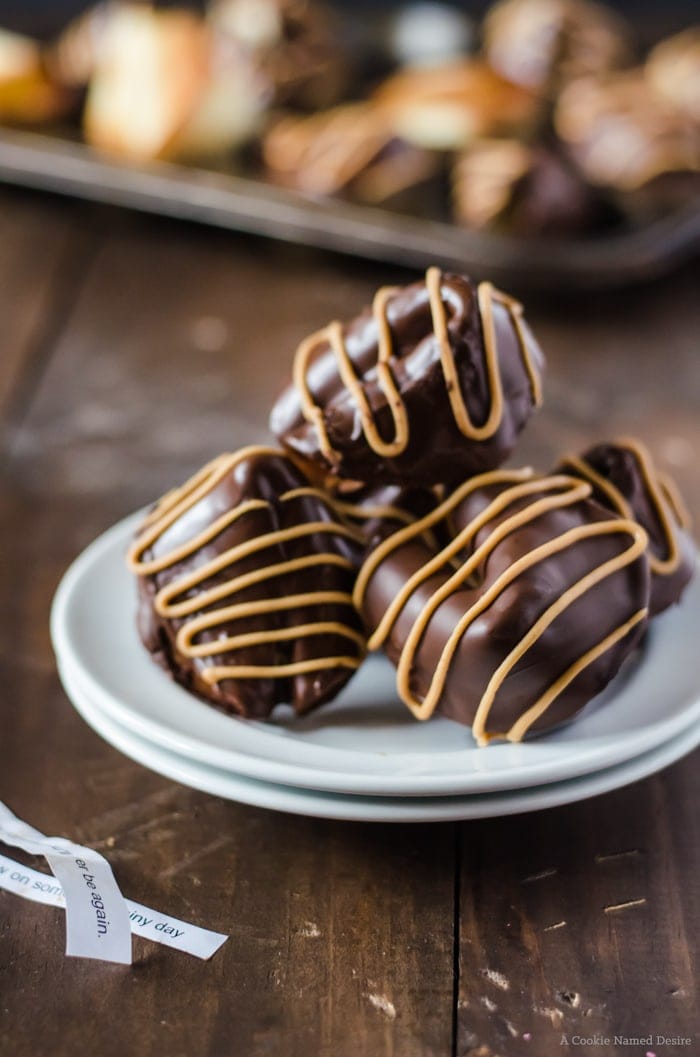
(363, 756)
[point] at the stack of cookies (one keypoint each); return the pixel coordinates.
(507, 599)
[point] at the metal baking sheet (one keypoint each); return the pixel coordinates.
(225, 200)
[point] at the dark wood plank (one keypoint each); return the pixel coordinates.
(545, 952)
(180, 343)
(44, 248)
(342, 935)
(539, 954)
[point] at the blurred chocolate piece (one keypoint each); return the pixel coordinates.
(433, 383)
(508, 186)
(522, 618)
(624, 479)
(673, 71)
(348, 150)
(446, 107)
(245, 576)
(622, 137)
(543, 44)
(377, 511)
(290, 44)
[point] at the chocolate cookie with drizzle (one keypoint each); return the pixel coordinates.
(624, 478)
(245, 586)
(245, 578)
(523, 617)
(431, 384)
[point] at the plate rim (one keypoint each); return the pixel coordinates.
(349, 808)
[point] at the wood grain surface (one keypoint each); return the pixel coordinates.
(132, 350)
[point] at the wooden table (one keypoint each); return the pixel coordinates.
(132, 350)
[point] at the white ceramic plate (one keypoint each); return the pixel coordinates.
(372, 809)
(365, 742)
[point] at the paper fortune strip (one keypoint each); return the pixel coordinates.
(99, 920)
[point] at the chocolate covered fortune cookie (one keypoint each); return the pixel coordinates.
(245, 586)
(523, 617)
(431, 384)
(624, 479)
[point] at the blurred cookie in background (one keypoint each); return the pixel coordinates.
(292, 45)
(151, 70)
(351, 151)
(628, 141)
(168, 83)
(515, 188)
(544, 44)
(446, 107)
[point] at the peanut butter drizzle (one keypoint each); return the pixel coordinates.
(333, 334)
(665, 500)
(176, 503)
(565, 492)
(354, 512)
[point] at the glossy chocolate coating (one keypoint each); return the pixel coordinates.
(497, 631)
(621, 466)
(267, 477)
(436, 450)
(380, 510)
